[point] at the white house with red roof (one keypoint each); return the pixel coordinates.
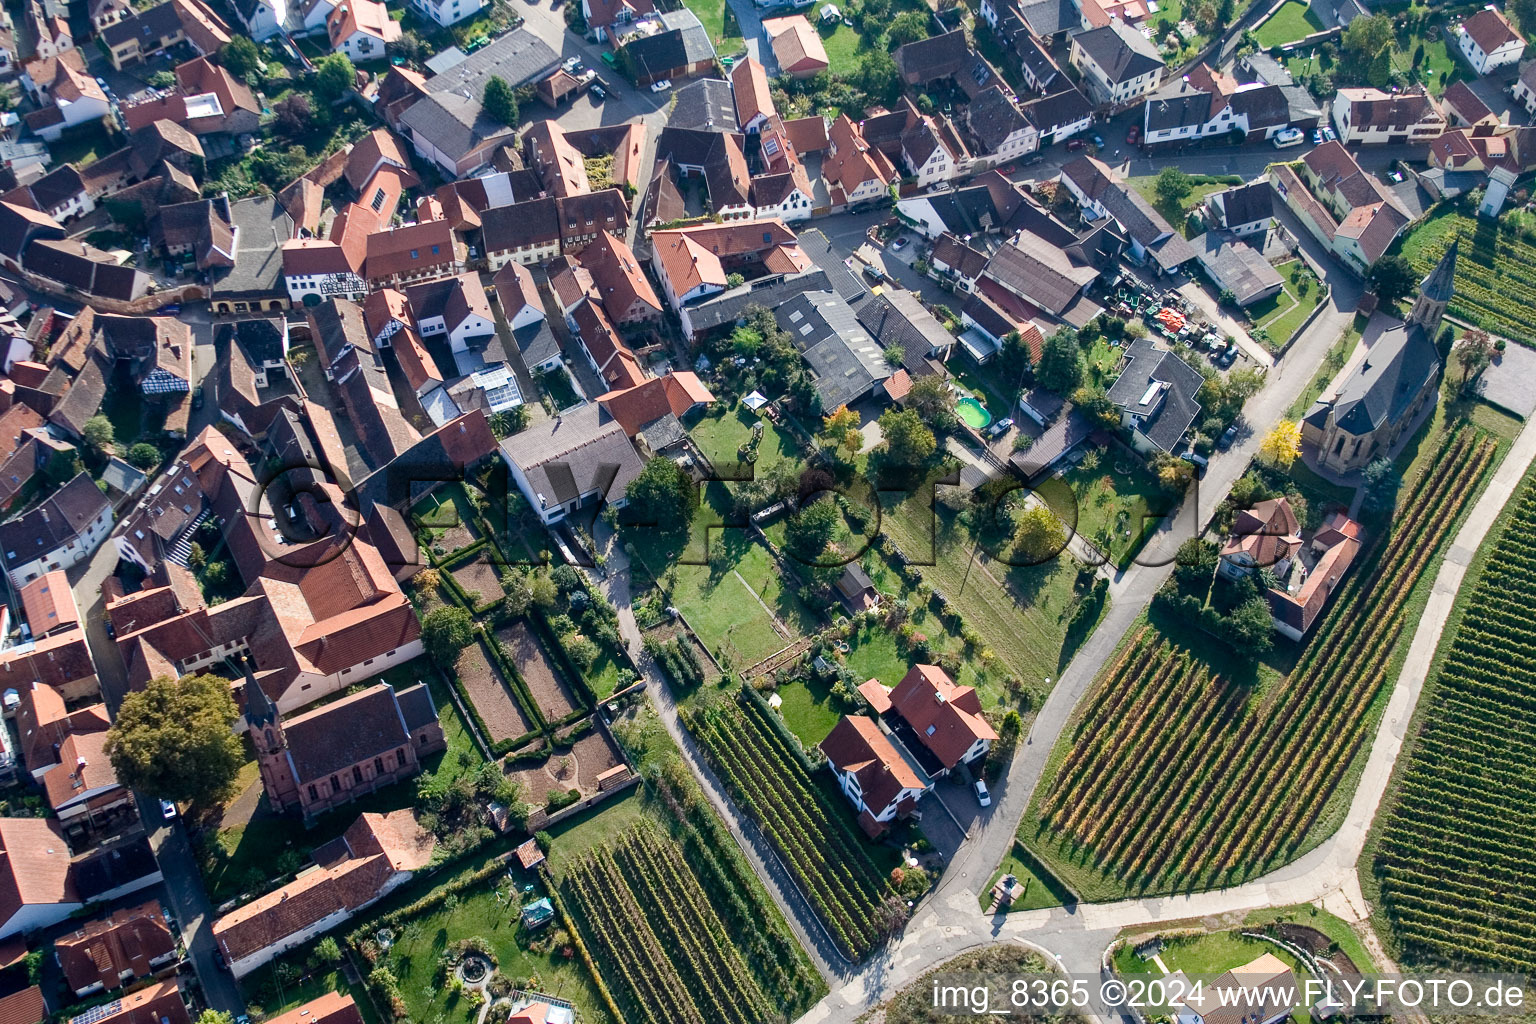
(606, 18)
(939, 722)
(1488, 41)
(361, 29)
(877, 780)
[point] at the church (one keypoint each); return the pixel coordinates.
(1384, 395)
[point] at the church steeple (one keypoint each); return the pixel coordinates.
(1435, 292)
(260, 711)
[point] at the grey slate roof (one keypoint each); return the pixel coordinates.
(452, 123)
(1047, 17)
(684, 41)
(574, 453)
(1383, 386)
(1176, 105)
(1120, 51)
(537, 343)
(842, 280)
(935, 57)
(1068, 106)
(993, 117)
(518, 57)
(731, 305)
(846, 361)
(1166, 411)
(1266, 106)
(1234, 265)
(261, 228)
(898, 318)
(707, 104)
(1245, 204)
(52, 524)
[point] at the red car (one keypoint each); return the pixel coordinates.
(1075, 144)
(1133, 136)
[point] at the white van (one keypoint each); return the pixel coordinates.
(1289, 137)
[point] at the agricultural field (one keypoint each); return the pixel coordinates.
(1451, 852)
(491, 696)
(655, 932)
(815, 839)
(1495, 271)
(1176, 777)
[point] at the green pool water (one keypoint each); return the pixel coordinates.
(973, 413)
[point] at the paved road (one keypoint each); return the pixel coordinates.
(950, 921)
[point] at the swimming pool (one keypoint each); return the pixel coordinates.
(973, 413)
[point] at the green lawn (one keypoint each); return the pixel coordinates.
(1202, 186)
(81, 145)
(845, 49)
(1041, 889)
(1332, 363)
(719, 436)
(1309, 916)
(808, 709)
(1440, 67)
(1208, 956)
(1282, 315)
(713, 15)
(272, 998)
(1117, 503)
(1294, 20)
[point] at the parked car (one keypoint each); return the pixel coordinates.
(1329, 135)
(1227, 437)
(570, 64)
(900, 243)
(1073, 145)
(1098, 141)
(1227, 358)
(1133, 136)
(610, 59)
(982, 796)
(1317, 136)
(1001, 427)
(1032, 159)
(167, 810)
(597, 91)
(661, 86)
(1289, 137)
(1200, 462)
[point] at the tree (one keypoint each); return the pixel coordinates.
(294, 115)
(98, 433)
(908, 441)
(143, 454)
(1195, 562)
(543, 589)
(933, 400)
(172, 740)
(1524, 13)
(1392, 278)
(334, 75)
(1281, 446)
(408, 47)
(908, 27)
(808, 531)
(1250, 630)
(196, 557)
(893, 354)
(1013, 361)
(1379, 72)
(240, 57)
(500, 102)
(445, 632)
(1172, 186)
(582, 651)
(662, 496)
(735, 280)
(1096, 404)
(1381, 483)
(519, 592)
(211, 1016)
(426, 581)
(1365, 37)
(878, 78)
(1473, 353)
(1039, 534)
(841, 431)
(327, 951)
(1061, 363)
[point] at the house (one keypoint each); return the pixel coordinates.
(1059, 115)
(48, 605)
(1371, 116)
(37, 887)
(749, 90)
(1251, 993)
(936, 57)
(448, 12)
(845, 361)
(679, 49)
(329, 1008)
(82, 787)
(255, 282)
(415, 252)
(720, 157)
(1044, 275)
(456, 307)
(526, 233)
(1100, 193)
(560, 165)
(1524, 90)
(796, 46)
(159, 1003)
(315, 269)
(705, 103)
(877, 780)
(342, 751)
(262, 18)
(899, 318)
(1383, 396)
(1157, 394)
(651, 413)
(66, 527)
(1488, 41)
(999, 126)
(937, 722)
(1243, 209)
(132, 942)
(142, 34)
(24, 1006)
(1235, 266)
(606, 18)
(76, 99)
(1118, 63)
(855, 171)
(856, 590)
(692, 263)
(520, 301)
(208, 100)
(1295, 606)
(1347, 209)
(1463, 108)
(373, 857)
(356, 368)
(931, 151)
(1206, 103)
(561, 464)
(626, 293)
(1266, 536)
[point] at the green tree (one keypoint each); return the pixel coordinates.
(327, 951)
(172, 740)
(543, 590)
(240, 57)
(1392, 278)
(908, 27)
(445, 632)
(98, 433)
(1061, 363)
(1473, 353)
(519, 592)
(1250, 630)
(1381, 483)
(908, 441)
(1379, 72)
(211, 1016)
(143, 454)
(841, 431)
(582, 651)
(408, 47)
(1039, 534)
(500, 102)
(1096, 404)
(934, 400)
(735, 280)
(1013, 361)
(1195, 562)
(1172, 186)
(878, 78)
(893, 354)
(1365, 37)
(1524, 13)
(661, 497)
(334, 75)
(808, 531)
(196, 557)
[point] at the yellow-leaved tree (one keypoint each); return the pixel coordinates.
(1282, 445)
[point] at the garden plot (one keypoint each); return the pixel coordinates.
(483, 685)
(544, 680)
(480, 577)
(577, 768)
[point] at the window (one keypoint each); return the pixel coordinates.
(378, 201)
(414, 254)
(357, 775)
(400, 756)
(335, 784)
(930, 730)
(434, 250)
(314, 794)
(378, 765)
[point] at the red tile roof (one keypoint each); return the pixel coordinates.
(857, 745)
(675, 393)
(127, 940)
(330, 1008)
(946, 718)
(619, 279)
(24, 1007)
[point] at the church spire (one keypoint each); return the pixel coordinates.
(1435, 292)
(259, 709)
